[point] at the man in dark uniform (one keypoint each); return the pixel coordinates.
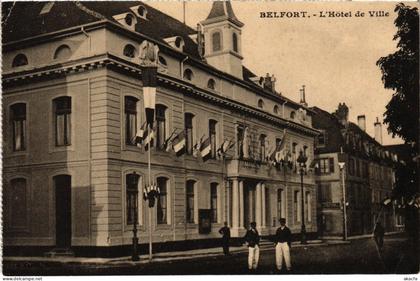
(283, 240)
(252, 238)
(225, 231)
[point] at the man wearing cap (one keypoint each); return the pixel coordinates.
(282, 240)
(252, 238)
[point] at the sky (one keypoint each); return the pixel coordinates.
(335, 58)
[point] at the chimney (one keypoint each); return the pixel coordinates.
(269, 82)
(361, 121)
(378, 131)
(342, 114)
(302, 96)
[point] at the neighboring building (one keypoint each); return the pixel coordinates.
(368, 174)
(73, 101)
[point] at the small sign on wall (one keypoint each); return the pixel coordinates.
(204, 221)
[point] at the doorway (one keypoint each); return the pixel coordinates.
(62, 187)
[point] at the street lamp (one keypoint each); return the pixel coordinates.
(151, 193)
(132, 192)
(302, 167)
(341, 165)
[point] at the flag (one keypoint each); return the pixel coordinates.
(205, 149)
(386, 201)
(149, 135)
(139, 137)
(197, 146)
(224, 147)
(167, 143)
(314, 164)
(179, 144)
(149, 74)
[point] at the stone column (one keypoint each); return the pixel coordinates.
(263, 207)
(258, 205)
(241, 203)
(235, 204)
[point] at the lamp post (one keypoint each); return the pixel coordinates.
(302, 167)
(151, 193)
(341, 165)
(132, 183)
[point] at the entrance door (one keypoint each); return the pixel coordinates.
(249, 204)
(62, 211)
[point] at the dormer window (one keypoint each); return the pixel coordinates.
(129, 51)
(235, 42)
(260, 103)
(211, 84)
(217, 42)
(162, 61)
(20, 60)
(292, 115)
(176, 42)
(188, 74)
(142, 12)
(276, 109)
(129, 19)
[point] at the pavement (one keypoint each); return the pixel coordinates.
(162, 257)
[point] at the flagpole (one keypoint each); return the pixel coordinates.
(149, 169)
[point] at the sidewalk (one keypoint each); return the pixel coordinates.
(161, 257)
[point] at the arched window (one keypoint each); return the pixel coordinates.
(179, 42)
(262, 146)
(235, 42)
(213, 201)
(129, 51)
(130, 110)
(20, 60)
(276, 109)
(211, 84)
(217, 42)
(189, 135)
(162, 61)
(161, 125)
(62, 113)
(62, 52)
(129, 19)
(292, 115)
(17, 203)
(18, 117)
(131, 183)
(188, 74)
(213, 138)
(260, 103)
(189, 192)
(163, 200)
(142, 12)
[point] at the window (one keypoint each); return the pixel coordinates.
(62, 111)
(217, 42)
(351, 166)
(326, 165)
(324, 193)
(18, 116)
(305, 148)
(211, 84)
(17, 203)
(296, 205)
(129, 51)
(213, 201)
(129, 19)
(280, 213)
(188, 74)
(179, 42)
(308, 206)
(294, 145)
(292, 115)
(213, 139)
(162, 201)
(235, 42)
(276, 109)
(142, 12)
(190, 201)
(62, 52)
(160, 125)
(162, 61)
(322, 139)
(20, 60)
(130, 108)
(260, 103)
(240, 132)
(189, 136)
(131, 182)
(262, 147)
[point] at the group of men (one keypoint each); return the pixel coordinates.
(282, 240)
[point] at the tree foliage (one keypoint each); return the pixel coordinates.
(400, 72)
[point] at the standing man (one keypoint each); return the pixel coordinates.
(283, 241)
(252, 238)
(378, 233)
(225, 231)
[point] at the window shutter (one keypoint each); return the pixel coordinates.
(331, 165)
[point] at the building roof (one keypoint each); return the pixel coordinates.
(222, 10)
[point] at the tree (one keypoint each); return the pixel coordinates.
(400, 72)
